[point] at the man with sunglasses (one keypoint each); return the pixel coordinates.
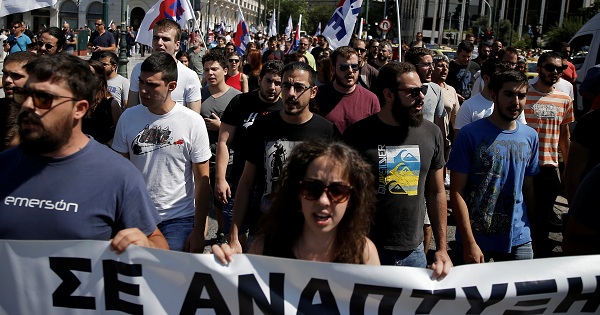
(59, 184)
(51, 41)
(101, 40)
(118, 85)
(367, 74)
(168, 144)
(18, 40)
(270, 141)
(407, 155)
(548, 111)
(343, 101)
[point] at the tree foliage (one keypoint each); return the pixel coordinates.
(317, 13)
(555, 35)
(288, 8)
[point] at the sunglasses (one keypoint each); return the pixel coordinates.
(551, 68)
(298, 87)
(336, 192)
(415, 92)
(234, 60)
(47, 45)
(360, 50)
(346, 66)
(41, 100)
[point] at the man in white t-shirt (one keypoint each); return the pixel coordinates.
(481, 105)
(118, 85)
(168, 144)
(166, 34)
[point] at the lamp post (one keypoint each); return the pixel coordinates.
(122, 69)
(483, 11)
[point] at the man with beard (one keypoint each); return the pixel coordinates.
(343, 101)
(407, 155)
(168, 144)
(240, 114)
(166, 34)
(549, 112)
(366, 74)
(14, 74)
(59, 184)
(118, 85)
(270, 140)
(461, 75)
(483, 53)
(493, 162)
(383, 57)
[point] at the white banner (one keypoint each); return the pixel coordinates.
(86, 277)
(18, 6)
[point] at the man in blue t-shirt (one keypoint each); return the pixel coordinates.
(60, 184)
(17, 41)
(493, 161)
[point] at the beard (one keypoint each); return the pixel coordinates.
(404, 115)
(41, 140)
(341, 80)
(382, 58)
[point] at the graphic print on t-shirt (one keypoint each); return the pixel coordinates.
(152, 138)
(399, 168)
(276, 153)
(250, 120)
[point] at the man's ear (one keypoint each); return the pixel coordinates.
(80, 109)
(172, 85)
(388, 94)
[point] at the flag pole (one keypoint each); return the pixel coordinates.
(399, 31)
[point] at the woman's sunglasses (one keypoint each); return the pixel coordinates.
(336, 192)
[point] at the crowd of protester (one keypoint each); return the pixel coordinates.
(334, 155)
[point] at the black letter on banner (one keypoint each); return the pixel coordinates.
(430, 298)
(112, 286)
(328, 304)
(249, 290)
(532, 288)
(362, 291)
(476, 301)
(192, 300)
(574, 294)
(62, 297)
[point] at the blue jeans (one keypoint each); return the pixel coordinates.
(520, 252)
(227, 210)
(410, 258)
(176, 231)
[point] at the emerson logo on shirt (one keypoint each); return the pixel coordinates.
(40, 203)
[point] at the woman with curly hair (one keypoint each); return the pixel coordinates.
(322, 210)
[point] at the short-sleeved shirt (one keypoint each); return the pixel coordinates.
(119, 88)
(546, 113)
(212, 105)
(163, 148)
(105, 40)
(462, 77)
(587, 134)
(345, 109)
(241, 113)
(496, 162)
(188, 85)
(18, 43)
(91, 194)
(401, 158)
(476, 108)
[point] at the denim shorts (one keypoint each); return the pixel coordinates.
(176, 231)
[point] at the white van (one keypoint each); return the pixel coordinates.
(585, 49)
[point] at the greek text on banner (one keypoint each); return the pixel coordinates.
(86, 277)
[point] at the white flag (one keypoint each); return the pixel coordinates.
(272, 25)
(179, 11)
(341, 25)
(18, 6)
(288, 28)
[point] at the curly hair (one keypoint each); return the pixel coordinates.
(282, 225)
